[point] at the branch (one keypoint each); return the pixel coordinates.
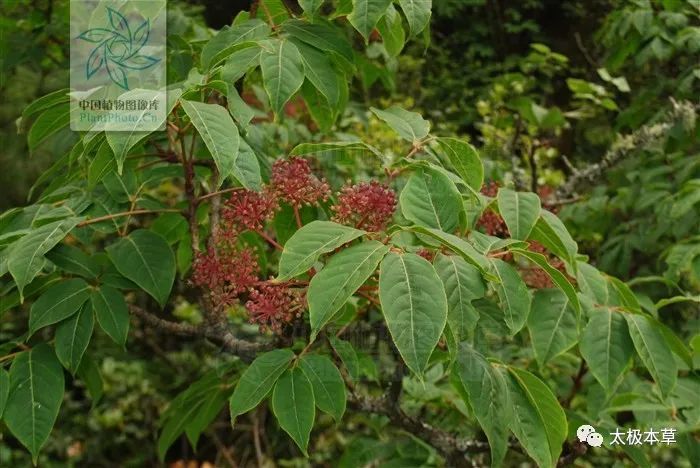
(237, 346)
(451, 446)
(625, 145)
(125, 213)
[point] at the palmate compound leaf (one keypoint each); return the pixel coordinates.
(293, 405)
(307, 244)
(552, 324)
(36, 392)
(520, 211)
(653, 351)
(414, 304)
(538, 422)
(606, 346)
(145, 258)
(328, 385)
(346, 271)
(487, 394)
(219, 132)
(257, 381)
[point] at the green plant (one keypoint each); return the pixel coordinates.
(389, 296)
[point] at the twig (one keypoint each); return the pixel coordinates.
(125, 213)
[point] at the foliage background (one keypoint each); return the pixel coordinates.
(539, 86)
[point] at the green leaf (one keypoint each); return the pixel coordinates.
(26, 257)
(89, 373)
(606, 346)
(257, 381)
(123, 141)
(676, 300)
(73, 260)
(170, 226)
(46, 102)
(328, 385)
(653, 351)
(322, 112)
(310, 7)
(339, 279)
(552, 325)
(459, 246)
(520, 211)
(36, 393)
(102, 164)
(431, 199)
(49, 122)
(551, 232)
(417, 14)
(239, 63)
(512, 293)
(465, 160)
(146, 259)
(391, 29)
(293, 405)
(409, 125)
(322, 35)
(73, 336)
(247, 168)
(239, 109)
(463, 283)
(58, 303)
(557, 276)
(348, 355)
(539, 422)
(488, 396)
(209, 408)
(282, 70)
(304, 248)
(365, 15)
(414, 305)
(5, 389)
(320, 71)
(220, 134)
(592, 283)
(620, 294)
(112, 313)
(343, 150)
(228, 39)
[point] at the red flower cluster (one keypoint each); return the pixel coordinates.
(225, 272)
(246, 209)
(537, 278)
(491, 222)
(367, 205)
(427, 254)
(273, 305)
(293, 181)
